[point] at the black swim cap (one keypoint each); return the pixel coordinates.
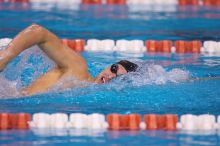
(129, 66)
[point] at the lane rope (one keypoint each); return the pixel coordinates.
(167, 122)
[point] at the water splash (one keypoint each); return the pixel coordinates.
(32, 63)
(68, 83)
(8, 88)
(150, 74)
(22, 70)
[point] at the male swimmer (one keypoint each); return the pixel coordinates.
(69, 63)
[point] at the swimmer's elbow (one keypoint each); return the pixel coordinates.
(36, 29)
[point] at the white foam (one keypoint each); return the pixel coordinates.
(153, 74)
(178, 75)
(8, 88)
(4, 43)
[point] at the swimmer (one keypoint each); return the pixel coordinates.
(69, 63)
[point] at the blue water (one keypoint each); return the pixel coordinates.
(122, 96)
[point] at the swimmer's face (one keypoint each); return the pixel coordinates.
(110, 73)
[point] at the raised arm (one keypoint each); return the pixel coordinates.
(47, 41)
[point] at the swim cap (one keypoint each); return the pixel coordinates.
(129, 66)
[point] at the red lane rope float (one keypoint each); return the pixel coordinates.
(77, 45)
(91, 1)
(21, 120)
(124, 122)
(165, 46)
(151, 45)
(170, 122)
(180, 47)
(134, 121)
(15, 1)
(19, 1)
(5, 121)
(14, 121)
(114, 121)
(188, 2)
(153, 122)
(188, 46)
(159, 46)
(196, 46)
(211, 2)
(159, 122)
(116, 2)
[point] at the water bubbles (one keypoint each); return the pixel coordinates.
(8, 88)
(149, 74)
(4, 43)
(178, 75)
(22, 70)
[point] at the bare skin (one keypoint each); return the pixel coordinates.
(69, 63)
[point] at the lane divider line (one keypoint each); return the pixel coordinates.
(137, 46)
(127, 2)
(114, 121)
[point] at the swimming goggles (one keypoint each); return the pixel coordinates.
(114, 69)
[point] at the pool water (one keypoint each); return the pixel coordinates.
(159, 87)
